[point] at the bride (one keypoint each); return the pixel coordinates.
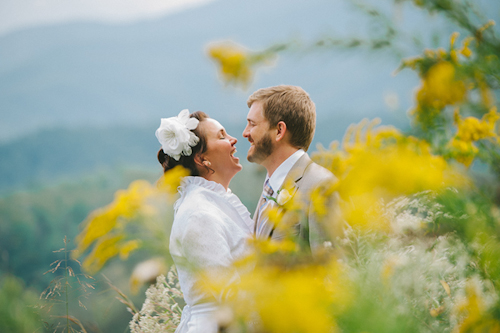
(211, 226)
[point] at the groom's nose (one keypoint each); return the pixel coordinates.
(246, 132)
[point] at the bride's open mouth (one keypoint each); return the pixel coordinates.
(232, 154)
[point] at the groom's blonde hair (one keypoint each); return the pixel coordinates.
(293, 106)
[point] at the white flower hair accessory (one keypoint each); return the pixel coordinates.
(175, 136)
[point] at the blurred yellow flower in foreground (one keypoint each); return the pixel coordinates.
(264, 247)
(171, 180)
(472, 129)
(300, 299)
(105, 228)
(381, 164)
(440, 87)
(106, 248)
(474, 309)
(127, 204)
(469, 130)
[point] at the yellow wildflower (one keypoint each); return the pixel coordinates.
(274, 214)
(234, 62)
(272, 246)
(463, 151)
(127, 204)
(453, 39)
(320, 199)
(128, 247)
(293, 300)
(380, 164)
(411, 62)
(474, 308)
(333, 159)
(440, 87)
(453, 52)
(465, 50)
(395, 170)
(479, 33)
(472, 129)
(441, 53)
(171, 179)
(105, 249)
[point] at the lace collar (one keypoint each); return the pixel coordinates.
(218, 189)
(202, 182)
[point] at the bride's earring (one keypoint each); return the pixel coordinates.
(207, 165)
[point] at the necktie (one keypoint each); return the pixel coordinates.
(262, 227)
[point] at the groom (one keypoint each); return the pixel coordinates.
(280, 127)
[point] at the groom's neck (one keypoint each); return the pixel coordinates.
(277, 157)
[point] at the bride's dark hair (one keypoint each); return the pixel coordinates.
(187, 162)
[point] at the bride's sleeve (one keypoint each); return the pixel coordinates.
(206, 248)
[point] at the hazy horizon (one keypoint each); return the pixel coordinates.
(16, 15)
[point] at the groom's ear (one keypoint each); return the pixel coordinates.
(281, 130)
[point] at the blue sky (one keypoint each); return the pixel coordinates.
(21, 14)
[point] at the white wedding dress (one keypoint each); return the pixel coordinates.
(210, 231)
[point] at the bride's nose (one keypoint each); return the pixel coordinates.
(232, 140)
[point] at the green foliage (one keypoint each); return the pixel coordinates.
(33, 223)
(17, 313)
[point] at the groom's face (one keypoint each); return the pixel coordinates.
(258, 134)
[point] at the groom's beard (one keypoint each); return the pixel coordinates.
(261, 150)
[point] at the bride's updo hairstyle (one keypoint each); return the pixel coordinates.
(187, 162)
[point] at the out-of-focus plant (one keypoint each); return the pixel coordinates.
(161, 312)
(377, 164)
(237, 64)
(62, 291)
(136, 219)
(455, 105)
(409, 277)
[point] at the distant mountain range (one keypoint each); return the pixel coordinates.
(67, 85)
(89, 74)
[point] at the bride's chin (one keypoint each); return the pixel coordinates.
(238, 169)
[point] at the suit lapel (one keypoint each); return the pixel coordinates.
(294, 176)
(297, 172)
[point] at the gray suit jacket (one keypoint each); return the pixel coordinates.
(307, 229)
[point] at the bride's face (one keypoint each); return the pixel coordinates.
(220, 150)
